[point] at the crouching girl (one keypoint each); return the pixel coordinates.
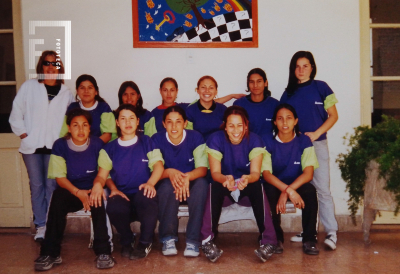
(135, 166)
(73, 164)
(183, 179)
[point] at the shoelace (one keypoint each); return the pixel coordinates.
(170, 244)
(190, 246)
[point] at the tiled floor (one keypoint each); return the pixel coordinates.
(18, 251)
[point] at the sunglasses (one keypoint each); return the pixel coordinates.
(47, 63)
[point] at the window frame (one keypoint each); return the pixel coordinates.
(366, 77)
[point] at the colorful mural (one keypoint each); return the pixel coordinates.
(195, 20)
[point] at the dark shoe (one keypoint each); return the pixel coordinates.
(46, 262)
(279, 248)
(104, 261)
(126, 251)
(141, 251)
(265, 251)
(310, 248)
(211, 251)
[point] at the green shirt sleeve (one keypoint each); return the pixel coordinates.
(309, 158)
(330, 100)
(267, 162)
(189, 125)
(107, 123)
(214, 153)
(57, 167)
(154, 156)
(113, 136)
(255, 152)
(104, 160)
(64, 127)
(194, 102)
(200, 156)
(150, 127)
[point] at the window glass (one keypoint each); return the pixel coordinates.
(386, 100)
(6, 14)
(384, 11)
(7, 95)
(7, 63)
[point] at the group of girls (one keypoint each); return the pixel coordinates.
(202, 153)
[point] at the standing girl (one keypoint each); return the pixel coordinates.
(169, 92)
(314, 102)
(73, 163)
(183, 179)
(293, 163)
(36, 117)
(235, 155)
(135, 166)
(129, 93)
(206, 115)
(103, 125)
(259, 104)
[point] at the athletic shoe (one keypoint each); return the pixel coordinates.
(126, 251)
(104, 261)
(310, 248)
(330, 241)
(297, 238)
(211, 251)
(191, 250)
(279, 248)
(46, 262)
(39, 236)
(265, 251)
(168, 248)
(141, 251)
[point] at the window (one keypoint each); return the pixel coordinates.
(11, 64)
(384, 32)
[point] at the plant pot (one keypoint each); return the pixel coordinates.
(375, 198)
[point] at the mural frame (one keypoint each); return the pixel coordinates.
(158, 44)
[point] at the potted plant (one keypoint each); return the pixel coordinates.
(381, 144)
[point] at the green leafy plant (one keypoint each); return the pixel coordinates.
(380, 143)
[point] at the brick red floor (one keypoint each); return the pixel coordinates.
(18, 251)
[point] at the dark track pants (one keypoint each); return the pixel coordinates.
(139, 208)
(63, 202)
(309, 214)
(259, 203)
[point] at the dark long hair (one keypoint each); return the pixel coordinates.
(168, 79)
(126, 107)
(131, 84)
(39, 66)
(292, 110)
(235, 110)
(75, 112)
(262, 73)
(293, 81)
(177, 109)
(90, 78)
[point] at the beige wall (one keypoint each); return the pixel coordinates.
(102, 46)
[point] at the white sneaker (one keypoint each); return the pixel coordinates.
(297, 238)
(191, 250)
(330, 241)
(169, 248)
(40, 234)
